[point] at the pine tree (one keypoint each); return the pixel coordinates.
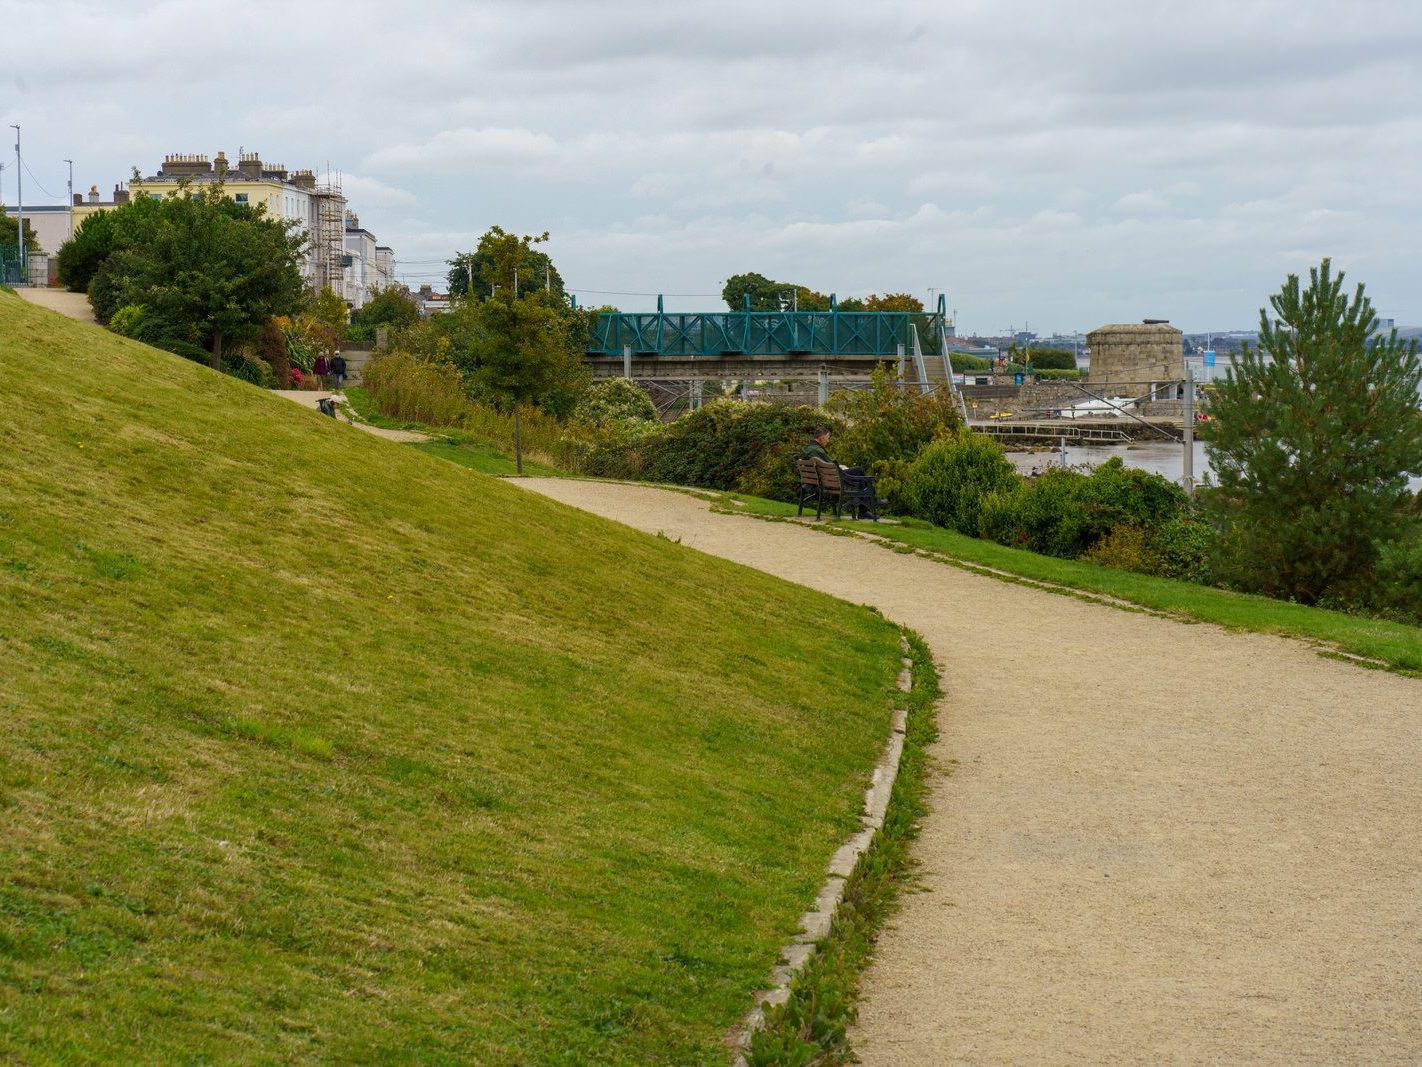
(1316, 433)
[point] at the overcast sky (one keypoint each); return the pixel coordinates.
(1064, 164)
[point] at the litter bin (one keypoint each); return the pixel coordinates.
(327, 406)
(1017, 379)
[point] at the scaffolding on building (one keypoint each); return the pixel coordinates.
(328, 241)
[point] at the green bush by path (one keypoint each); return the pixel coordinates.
(951, 478)
(731, 445)
(317, 748)
(1066, 512)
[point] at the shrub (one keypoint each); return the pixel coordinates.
(887, 425)
(186, 349)
(949, 481)
(1397, 592)
(1051, 358)
(728, 442)
(131, 320)
(1065, 512)
(81, 256)
(615, 401)
(250, 369)
(962, 362)
(1185, 547)
(270, 346)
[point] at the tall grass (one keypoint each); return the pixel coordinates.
(412, 390)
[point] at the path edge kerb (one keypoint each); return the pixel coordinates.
(816, 924)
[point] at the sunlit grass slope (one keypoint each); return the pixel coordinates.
(318, 747)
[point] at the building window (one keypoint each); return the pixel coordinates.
(241, 198)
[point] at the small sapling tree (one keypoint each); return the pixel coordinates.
(1315, 434)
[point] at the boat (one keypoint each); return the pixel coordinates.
(1112, 407)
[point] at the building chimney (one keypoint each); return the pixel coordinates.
(249, 164)
(304, 179)
(184, 166)
(219, 165)
(120, 195)
(78, 199)
(93, 194)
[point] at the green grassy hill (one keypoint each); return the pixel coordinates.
(319, 747)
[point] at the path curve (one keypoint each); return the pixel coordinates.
(1149, 841)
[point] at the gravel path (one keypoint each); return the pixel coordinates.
(307, 398)
(73, 305)
(1149, 841)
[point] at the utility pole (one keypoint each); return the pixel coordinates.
(516, 295)
(1187, 479)
(469, 266)
(548, 276)
(20, 208)
(71, 198)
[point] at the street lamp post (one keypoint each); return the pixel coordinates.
(20, 207)
(71, 198)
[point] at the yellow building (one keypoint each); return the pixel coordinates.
(318, 209)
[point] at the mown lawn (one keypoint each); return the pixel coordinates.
(319, 748)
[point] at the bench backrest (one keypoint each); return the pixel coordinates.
(808, 474)
(829, 475)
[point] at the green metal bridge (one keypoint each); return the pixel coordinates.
(716, 335)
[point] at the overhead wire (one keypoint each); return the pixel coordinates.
(36, 180)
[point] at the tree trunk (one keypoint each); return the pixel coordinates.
(518, 439)
(216, 349)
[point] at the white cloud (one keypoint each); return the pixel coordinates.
(1038, 162)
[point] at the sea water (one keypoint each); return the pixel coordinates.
(1158, 457)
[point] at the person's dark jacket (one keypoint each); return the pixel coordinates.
(338, 365)
(815, 450)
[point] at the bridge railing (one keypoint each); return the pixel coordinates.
(760, 333)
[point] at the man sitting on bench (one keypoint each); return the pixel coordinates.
(818, 448)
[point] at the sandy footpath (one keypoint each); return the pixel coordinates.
(73, 305)
(1149, 841)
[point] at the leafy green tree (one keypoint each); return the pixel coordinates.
(768, 295)
(1315, 434)
(95, 239)
(1051, 358)
(886, 426)
(331, 311)
(893, 302)
(527, 352)
(392, 308)
(10, 240)
(505, 260)
(213, 269)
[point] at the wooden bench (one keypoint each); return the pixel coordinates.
(825, 482)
